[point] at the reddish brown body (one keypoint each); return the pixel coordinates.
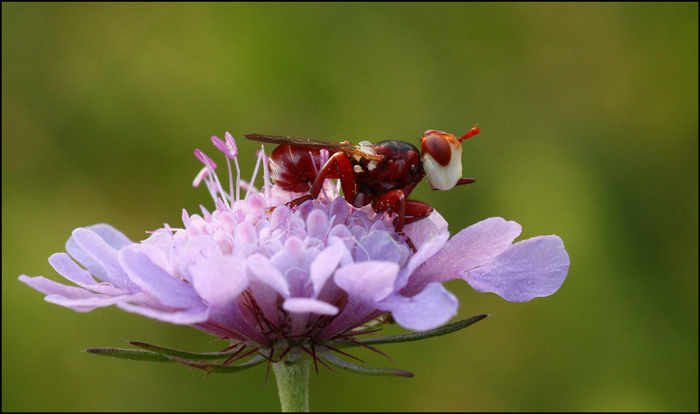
(385, 180)
(382, 174)
(295, 168)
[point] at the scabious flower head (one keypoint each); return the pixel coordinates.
(296, 280)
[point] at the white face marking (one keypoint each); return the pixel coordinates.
(357, 169)
(443, 177)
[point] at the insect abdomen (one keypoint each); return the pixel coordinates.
(294, 168)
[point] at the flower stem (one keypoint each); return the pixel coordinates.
(293, 385)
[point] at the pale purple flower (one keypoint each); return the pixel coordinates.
(296, 278)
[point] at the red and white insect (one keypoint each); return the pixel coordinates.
(381, 174)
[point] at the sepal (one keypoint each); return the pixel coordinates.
(154, 353)
(133, 354)
(412, 336)
(168, 352)
(358, 369)
(223, 369)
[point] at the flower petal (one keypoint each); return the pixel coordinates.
(427, 249)
(169, 291)
(78, 299)
(325, 264)
(531, 268)
(371, 281)
(99, 258)
(49, 287)
(261, 267)
(113, 237)
(186, 317)
(85, 304)
(317, 224)
(309, 305)
(429, 309)
(474, 246)
(378, 245)
(338, 211)
(423, 229)
(219, 280)
(66, 267)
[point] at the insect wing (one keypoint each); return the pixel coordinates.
(312, 143)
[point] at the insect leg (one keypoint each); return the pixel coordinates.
(389, 201)
(465, 180)
(338, 164)
(417, 210)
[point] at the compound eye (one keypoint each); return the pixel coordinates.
(442, 159)
(437, 147)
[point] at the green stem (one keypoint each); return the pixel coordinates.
(293, 385)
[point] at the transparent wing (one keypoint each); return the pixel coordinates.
(312, 143)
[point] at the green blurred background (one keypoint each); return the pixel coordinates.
(589, 117)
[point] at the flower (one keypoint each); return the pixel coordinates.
(296, 279)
